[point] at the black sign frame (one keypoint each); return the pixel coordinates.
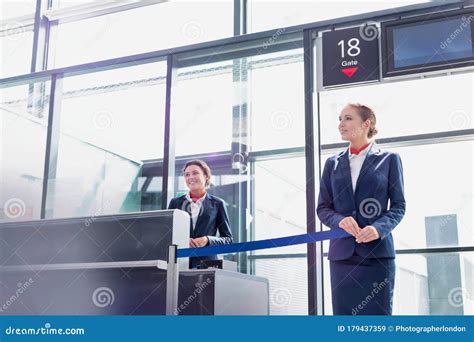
(360, 66)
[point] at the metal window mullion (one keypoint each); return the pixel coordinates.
(239, 148)
(52, 139)
(314, 304)
(168, 178)
(240, 17)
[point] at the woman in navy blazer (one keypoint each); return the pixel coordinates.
(208, 213)
(355, 190)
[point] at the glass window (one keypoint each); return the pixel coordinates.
(439, 213)
(256, 101)
(280, 210)
(143, 29)
(280, 201)
(202, 108)
(276, 106)
(405, 108)
(271, 14)
(16, 50)
(16, 8)
(109, 122)
(440, 284)
(288, 280)
(23, 128)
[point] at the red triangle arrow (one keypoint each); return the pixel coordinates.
(349, 71)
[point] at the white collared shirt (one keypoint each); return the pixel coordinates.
(356, 161)
(195, 207)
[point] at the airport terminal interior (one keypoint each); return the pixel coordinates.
(103, 102)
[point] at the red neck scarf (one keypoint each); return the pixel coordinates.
(357, 151)
(194, 198)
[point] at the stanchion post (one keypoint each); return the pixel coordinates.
(172, 279)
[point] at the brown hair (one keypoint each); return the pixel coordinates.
(204, 167)
(366, 113)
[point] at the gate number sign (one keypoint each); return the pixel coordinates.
(350, 56)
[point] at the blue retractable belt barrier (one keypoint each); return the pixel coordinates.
(262, 244)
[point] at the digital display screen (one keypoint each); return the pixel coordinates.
(419, 45)
(422, 44)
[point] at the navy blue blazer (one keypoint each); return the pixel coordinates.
(380, 180)
(213, 218)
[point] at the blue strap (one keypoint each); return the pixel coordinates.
(262, 244)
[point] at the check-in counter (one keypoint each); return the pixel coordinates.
(108, 265)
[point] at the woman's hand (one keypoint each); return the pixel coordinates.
(349, 225)
(369, 233)
(198, 242)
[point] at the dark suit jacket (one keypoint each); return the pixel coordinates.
(380, 180)
(213, 218)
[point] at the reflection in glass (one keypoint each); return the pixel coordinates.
(23, 129)
(109, 122)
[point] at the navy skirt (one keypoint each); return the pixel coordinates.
(362, 286)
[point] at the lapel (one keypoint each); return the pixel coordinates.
(345, 170)
(206, 204)
(368, 163)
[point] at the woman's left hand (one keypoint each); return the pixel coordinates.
(367, 234)
(198, 242)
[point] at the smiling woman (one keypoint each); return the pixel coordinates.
(208, 213)
(355, 191)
